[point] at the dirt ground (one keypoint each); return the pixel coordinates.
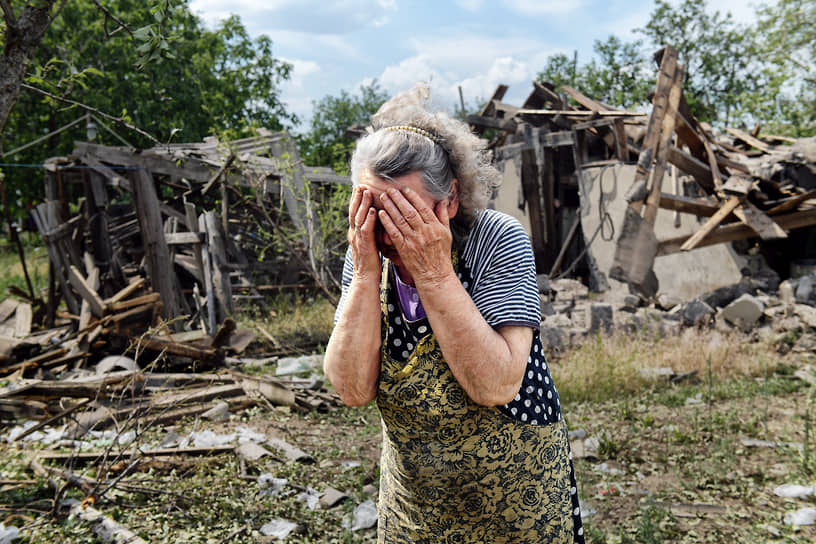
(684, 463)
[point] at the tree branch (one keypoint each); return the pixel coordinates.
(92, 110)
(8, 13)
(109, 15)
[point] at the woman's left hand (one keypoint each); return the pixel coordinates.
(421, 236)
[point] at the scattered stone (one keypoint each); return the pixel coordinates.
(667, 302)
(744, 312)
(217, 412)
(631, 303)
(722, 297)
(806, 374)
(806, 343)
(554, 338)
(806, 313)
(600, 317)
(543, 281)
(697, 313)
(370, 490)
(569, 290)
(591, 447)
(805, 289)
(786, 291)
(577, 434)
(251, 451)
(331, 497)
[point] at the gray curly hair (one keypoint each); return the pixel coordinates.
(407, 138)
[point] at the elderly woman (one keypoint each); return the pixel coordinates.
(438, 321)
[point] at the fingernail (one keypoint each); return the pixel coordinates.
(384, 196)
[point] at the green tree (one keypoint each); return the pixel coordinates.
(720, 56)
(326, 143)
(160, 70)
(618, 74)
(788, 103)
(561, 70)
(621, 76)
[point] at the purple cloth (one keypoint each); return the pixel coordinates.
(409, 299)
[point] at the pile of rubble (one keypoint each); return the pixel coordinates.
(782, 312)
(588, 180)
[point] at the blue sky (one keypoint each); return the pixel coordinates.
(475, 44)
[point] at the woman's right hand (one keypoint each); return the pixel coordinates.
(362, 220)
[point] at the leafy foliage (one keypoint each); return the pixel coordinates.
(326, 143)
(720, 55)
(172, 78)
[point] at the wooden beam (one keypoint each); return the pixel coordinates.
(667, 132)
(685, 204)
(157, 255)
(739, 231)
(86, 291)
(759, 222)
(791, 203)
(691, 165)
(695, 239)
(748, 139)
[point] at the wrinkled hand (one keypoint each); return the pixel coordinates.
(421, 236)
(362, 219)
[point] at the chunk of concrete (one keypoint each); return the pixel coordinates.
(787, 291)
(697, 313)
(744, 312)
(805, 289)
(569, 290)
(554, 339)
(806, 313)
(600, 317)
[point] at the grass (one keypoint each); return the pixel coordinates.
(605, 367)
(670, 451)
(11, 269)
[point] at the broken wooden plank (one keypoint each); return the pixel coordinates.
(7, 308)
(138, 301)
(22, 324)
(86, 291)
(218, 174)
(180, 238)
(791, 203)
(739, 231)
(692, 166)
(174, 348)
(759, 222)
(685, 204)
(667, 132)
(748, 139)
(92, 457)
(127, 291)
(712, 223)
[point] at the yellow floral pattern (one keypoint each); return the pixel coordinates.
(454, 471)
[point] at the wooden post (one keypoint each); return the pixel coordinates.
(530, 185)
(157, 255)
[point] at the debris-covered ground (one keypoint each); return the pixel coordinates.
(687, 462)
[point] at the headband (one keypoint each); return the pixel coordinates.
(416, 130)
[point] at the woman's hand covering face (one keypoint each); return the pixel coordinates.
(362, 221)
(421, 235)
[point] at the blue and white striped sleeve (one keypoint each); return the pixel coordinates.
(504, 273)
(348, 272)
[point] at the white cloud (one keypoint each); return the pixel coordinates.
(301, 69)
(307, 16)
(472, 61)
(536, 8)
(470, 5)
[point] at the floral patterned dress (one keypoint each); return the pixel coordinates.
(455, 471)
